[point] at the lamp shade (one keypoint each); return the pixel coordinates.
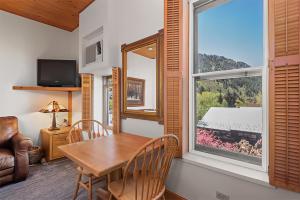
(53, 107)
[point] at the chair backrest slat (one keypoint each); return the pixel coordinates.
(149, 168)
(86, 130)
(150, 171)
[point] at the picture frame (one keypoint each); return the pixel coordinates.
(135, 92)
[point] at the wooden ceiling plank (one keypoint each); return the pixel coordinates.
(57, 13)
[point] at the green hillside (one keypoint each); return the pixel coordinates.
(211, 63)
(235, 92)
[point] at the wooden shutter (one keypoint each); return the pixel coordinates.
(173, 69)
(284, 34)
(87, 82)
(116, 77)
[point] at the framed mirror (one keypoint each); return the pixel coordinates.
(142, 79)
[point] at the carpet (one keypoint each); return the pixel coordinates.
(54, 181)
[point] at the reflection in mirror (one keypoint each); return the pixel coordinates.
(141, 79)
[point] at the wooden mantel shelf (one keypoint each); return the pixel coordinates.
(40, 88)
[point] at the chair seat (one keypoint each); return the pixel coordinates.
(115, 188)
(7, 159)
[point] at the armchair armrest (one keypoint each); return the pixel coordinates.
(21, 145)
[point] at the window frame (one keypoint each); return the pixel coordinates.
(195, 4)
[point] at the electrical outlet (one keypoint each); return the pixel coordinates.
(222, 196)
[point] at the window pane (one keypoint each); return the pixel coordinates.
(110, 105)
(229, 118)
(108, 101)
(229, 36)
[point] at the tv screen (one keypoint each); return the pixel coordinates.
(57, 72)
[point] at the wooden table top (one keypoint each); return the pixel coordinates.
(104, 155)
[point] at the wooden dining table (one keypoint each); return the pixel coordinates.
(106, 154)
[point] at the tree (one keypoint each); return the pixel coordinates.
(231, 97)
(206, 100)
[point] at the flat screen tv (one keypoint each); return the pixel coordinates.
(57, 73)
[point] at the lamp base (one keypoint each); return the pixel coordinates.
(53, 127)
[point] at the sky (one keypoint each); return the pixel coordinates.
(233, 30)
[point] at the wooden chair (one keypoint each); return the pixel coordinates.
(80, 131)
(146, 172)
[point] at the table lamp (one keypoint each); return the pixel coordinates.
(53, 107)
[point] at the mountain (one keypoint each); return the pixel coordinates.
(211, 63)
(242, 91)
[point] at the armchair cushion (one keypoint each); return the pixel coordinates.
(21, 145)
(6, 172)
(7, 159)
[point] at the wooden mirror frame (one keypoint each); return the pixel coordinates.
(157, 38)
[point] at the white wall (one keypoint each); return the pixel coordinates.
(125, 21)
(198, 183)
(22, 42)
(99, 15)
(143, 68)
(137, 19)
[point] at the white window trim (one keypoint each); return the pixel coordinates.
(213, 161)
(227, 74)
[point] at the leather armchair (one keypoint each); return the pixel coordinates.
(14, 162)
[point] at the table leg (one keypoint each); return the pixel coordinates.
(103, 193)
(116, 175)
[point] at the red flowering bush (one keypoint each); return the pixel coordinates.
(207, 137)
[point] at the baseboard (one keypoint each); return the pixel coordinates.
(173, 196)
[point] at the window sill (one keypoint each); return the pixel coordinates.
(247, 174)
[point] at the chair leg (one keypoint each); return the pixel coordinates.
(110, 196)
(106, 182)
(90, 191)
(77, 186)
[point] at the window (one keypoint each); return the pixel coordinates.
(107, 103)
(228, 81)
